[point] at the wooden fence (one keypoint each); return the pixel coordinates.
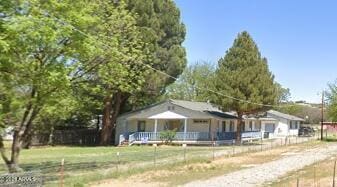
(68, 137)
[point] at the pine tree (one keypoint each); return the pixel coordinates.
(243, 73)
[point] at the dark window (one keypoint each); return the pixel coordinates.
(231, 126)
(294, 125)
(170, 108)
(250, 125)
(224, 126)
(141, 126)
(243, 126)
(202, 121)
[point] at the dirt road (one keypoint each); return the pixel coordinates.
(264, 173)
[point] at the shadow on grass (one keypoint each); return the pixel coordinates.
(330, 139)
(51, 169)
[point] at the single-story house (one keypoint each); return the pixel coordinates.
(194, 123)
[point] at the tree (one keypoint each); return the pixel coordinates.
(122, 70)
(244, 74)
(158, 26)
(332, 101)
(38, 62)
(283, 94)
(193, 83)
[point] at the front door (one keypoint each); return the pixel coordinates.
(173, 125)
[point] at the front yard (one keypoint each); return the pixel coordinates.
(85, 165)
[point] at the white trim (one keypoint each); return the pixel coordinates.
(167, 115)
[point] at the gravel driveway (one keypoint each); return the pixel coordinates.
(267, 172)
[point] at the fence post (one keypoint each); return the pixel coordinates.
(61, 172)
(314, 174)
(261, 143)
(213, 150)
(154, 154)
(184, 147)
(117, 161)
(334, 174)
(298, 182)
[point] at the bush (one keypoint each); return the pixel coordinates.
(167, 136)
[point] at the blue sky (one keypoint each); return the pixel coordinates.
(299, 38)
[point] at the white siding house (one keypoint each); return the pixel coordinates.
(199, 123)
(285, 124)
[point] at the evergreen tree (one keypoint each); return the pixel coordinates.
(244, 74)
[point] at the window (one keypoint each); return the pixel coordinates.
(250, 125)
(200, 121)
(224, 126)
(258, 126)
(231, 126)
(170, 108)
(294, 125)
(269, 127)
(243, 126)
(141, 126)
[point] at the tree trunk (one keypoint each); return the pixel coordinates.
(238, 129)
(110, 116)
(13, 165)
(106, 121)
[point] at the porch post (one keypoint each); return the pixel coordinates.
(155, 125)
(155, 128)
(185, 128)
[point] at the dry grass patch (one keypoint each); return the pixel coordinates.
(318, 174)
(203, 169)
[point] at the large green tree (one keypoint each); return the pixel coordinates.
(193, 84)
(158, 25)
(243, 74)
(40, 56)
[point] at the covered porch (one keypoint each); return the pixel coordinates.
(187, 130)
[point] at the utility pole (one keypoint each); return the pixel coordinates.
(322, 120)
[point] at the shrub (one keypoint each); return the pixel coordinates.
(167, 136)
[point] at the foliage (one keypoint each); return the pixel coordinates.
(193, 83)
(244, 74)
(167, 136)
(332, 101)
(311, 115)
(283, 94)
(161, 27)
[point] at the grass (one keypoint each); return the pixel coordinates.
(84, 165)
(181, 173)
(318, 174)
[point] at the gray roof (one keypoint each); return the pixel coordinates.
(283, 115)
(194, 105)
(203, 107)
(189, 109)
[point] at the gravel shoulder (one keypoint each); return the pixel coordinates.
(264, 173)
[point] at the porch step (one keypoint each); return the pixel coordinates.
(124, 143)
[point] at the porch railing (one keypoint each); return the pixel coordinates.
(251, 135)
(192, 136)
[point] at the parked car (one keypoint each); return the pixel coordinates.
(306, 131)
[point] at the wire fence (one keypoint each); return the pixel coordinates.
(63, 169)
